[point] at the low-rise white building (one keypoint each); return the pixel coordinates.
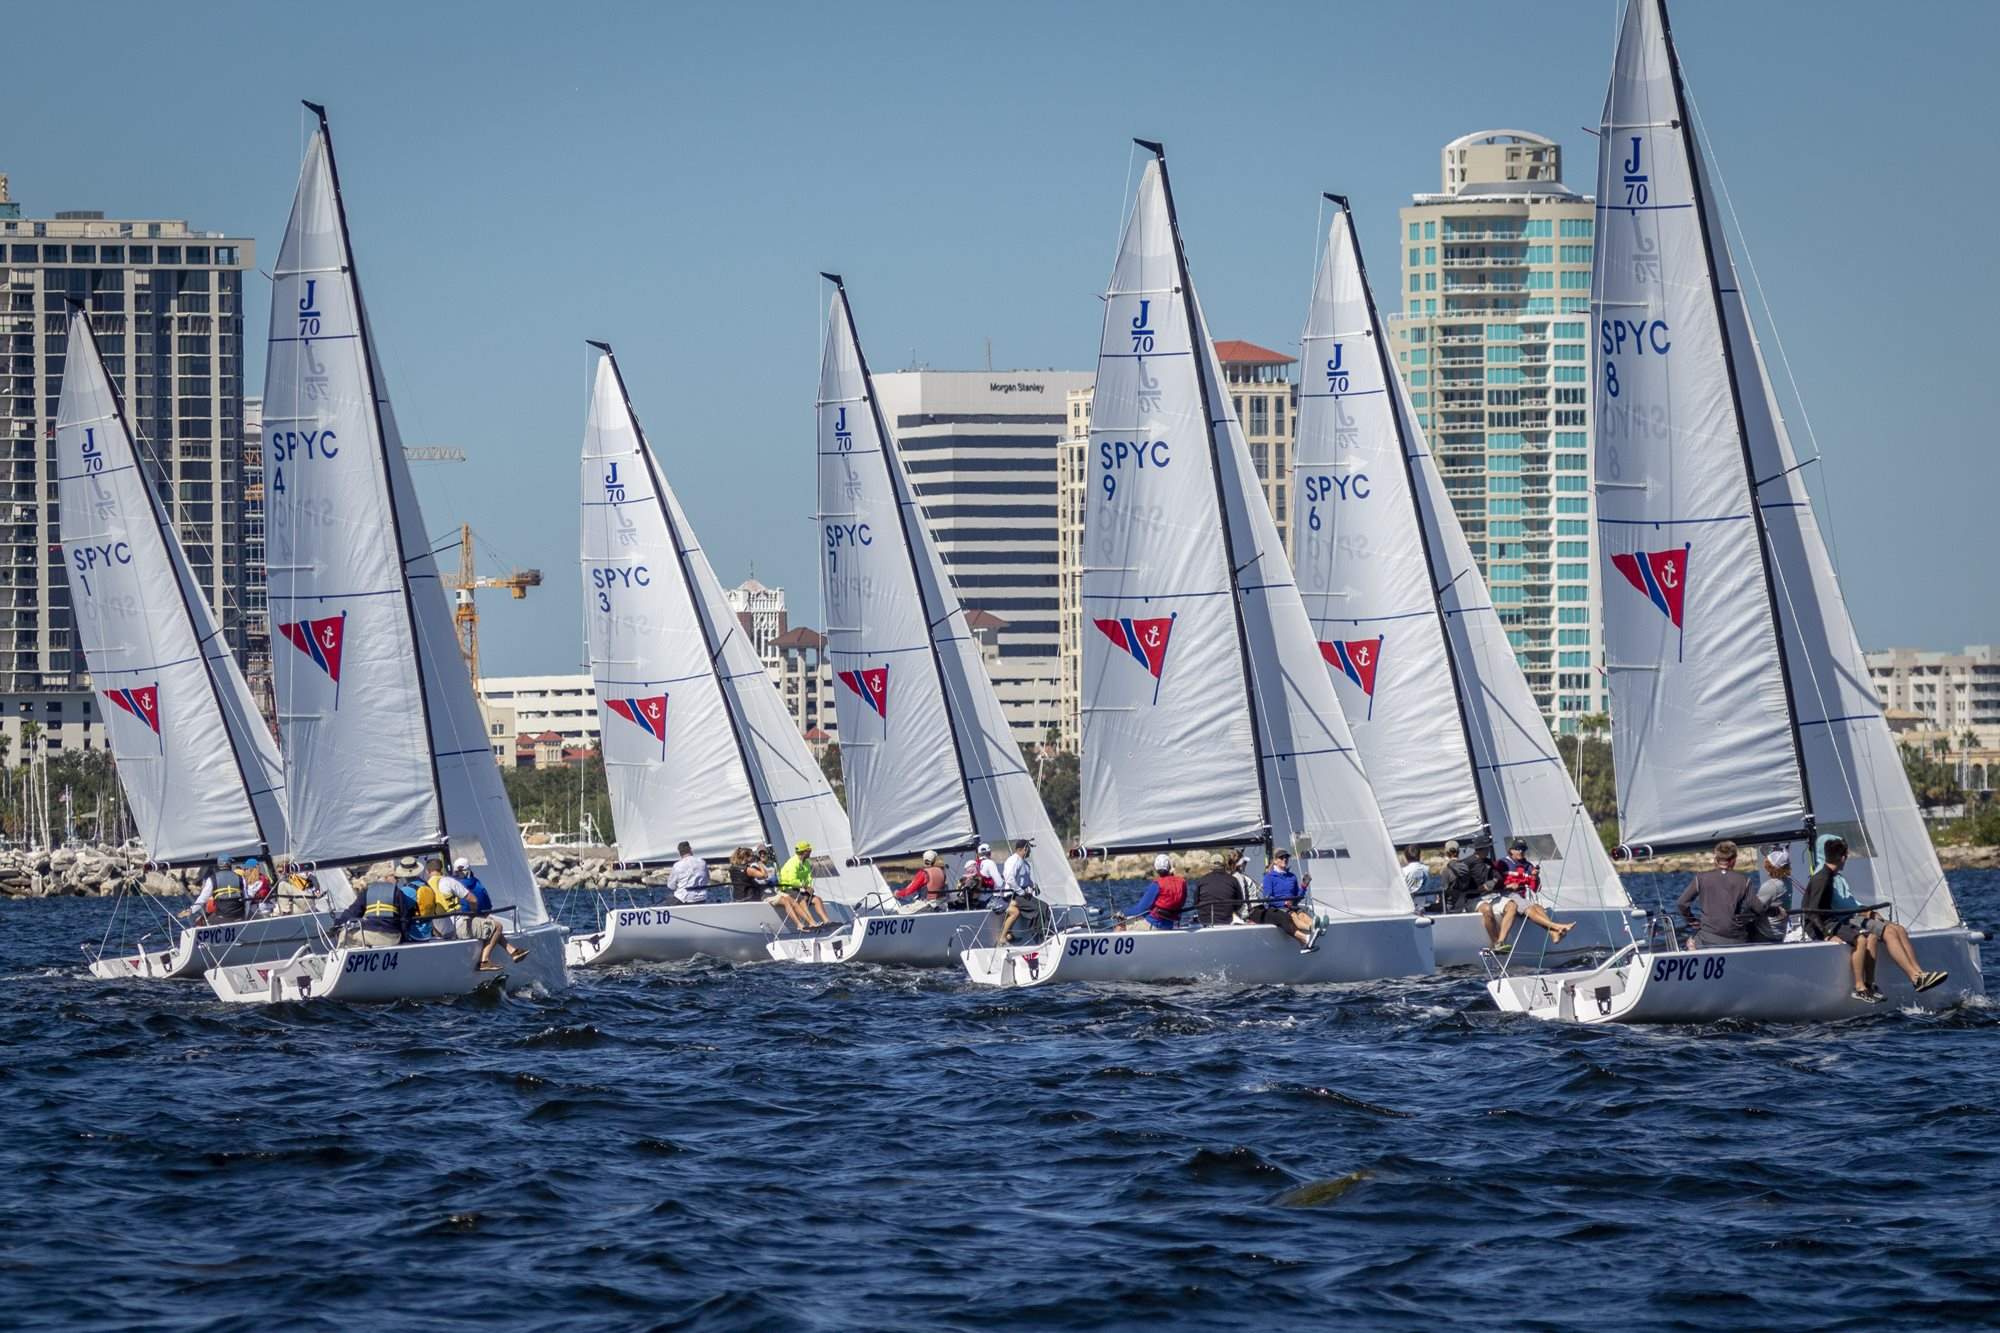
(566, 705)
(1952, 692)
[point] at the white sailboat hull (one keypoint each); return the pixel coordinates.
(921, 939)
(1362, 949)
(198, 948)
(1461, 936)
(1770, 983)
(675, 932)
(427, 970)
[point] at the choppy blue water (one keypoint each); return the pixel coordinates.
(713, 1147)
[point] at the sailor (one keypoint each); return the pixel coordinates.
(1416, 875)
(1222, 895)
(448, 903)
(258, 888)
(1777, 895)
(1458, 891)
(1866, 935)
(1520, 894)
(416, 899)
(1160, 907)
(298, 892)
(1725, 904)
(745, 877)
(688, 880)
(925, 888)
(479, 923)
(1018, 890)
(795, 889)
(989, 872)
(1284, 902)
(374, 920)
(221, 893)
(972, 890)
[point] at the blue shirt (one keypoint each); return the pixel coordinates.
(406, 899)
(482, 901)
(1281, 887)
(1144, 907)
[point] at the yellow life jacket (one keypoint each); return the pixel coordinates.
(448, 902)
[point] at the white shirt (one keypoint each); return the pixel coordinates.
(1415, 876)
(689, 879)
(1018, 875)
(989, 869)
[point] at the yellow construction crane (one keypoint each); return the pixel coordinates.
(464, 614)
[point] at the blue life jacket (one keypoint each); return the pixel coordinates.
(414, 928)
(482, 901)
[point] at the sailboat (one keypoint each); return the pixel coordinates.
(929, 759)
(1454, 745)
(1741, 706)
(199, 769)
(1208, 718)
(384, 746)
(698, 745)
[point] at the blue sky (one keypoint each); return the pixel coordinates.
(521, 177)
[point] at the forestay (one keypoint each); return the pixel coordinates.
(1170, 751)
(1860, 790)
(1319, 801)
(904, 574)
(907, 787)
(1703, 731)
(200, 772)
(350, 693)
(1363, 567)
(671, 758)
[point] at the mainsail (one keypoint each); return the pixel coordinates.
(1447, 726)
(1704, 736)
(385, 747)
(200, 771)
(673, 640)
(1851, 778)
(930, 759)
(1253, 704)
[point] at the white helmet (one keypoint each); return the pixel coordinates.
(1163, 862)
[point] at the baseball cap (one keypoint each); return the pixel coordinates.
(802, 846)
(1451, 848)
(461, 864)
(985, 847)
(930, 858)
(1518, 845)
(1163, 862)
(1779, 857)
(1282, 854)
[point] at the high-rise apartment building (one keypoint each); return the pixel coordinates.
(256, 599)
(1952, 692)
(981, 449)
(1494, 343)
(1260, 384)
(166, 302)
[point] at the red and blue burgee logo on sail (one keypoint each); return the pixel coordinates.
(321, 640)
(1661, 575)
(648, 714)
(1357, 660)
(1145, 640)
(872, 685)
(141, 701)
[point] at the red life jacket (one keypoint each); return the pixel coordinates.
(1522, 878)
(1172, 898)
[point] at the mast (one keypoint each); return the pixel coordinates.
(80, 318)
(382, 445)
(693, 594)
(1685, 126)
(893, 468)
(1197, 329)
(1389, 386)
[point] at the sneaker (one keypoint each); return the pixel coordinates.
(1869, 996)
(1928, 980)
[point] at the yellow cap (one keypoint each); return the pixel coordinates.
(802, 846)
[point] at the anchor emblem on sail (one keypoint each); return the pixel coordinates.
(1145, 640)
(323, 641)
(1661, 576)
(871, 686)
(1356, 659)
(141, 701)
(649, 714)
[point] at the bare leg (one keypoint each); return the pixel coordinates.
(1007, 922)
(1486, 919)
(1897, 941)
(795, 911)
(1507, 915)
(1869, 940)
(1555, 928)
(1858, 961)
(813, 901)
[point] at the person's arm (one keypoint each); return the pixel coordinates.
(351, 912)
(1146, 901)
(1687, 899)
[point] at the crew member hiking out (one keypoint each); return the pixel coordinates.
(1284, 902)
(480, 923)
(1520, 895)
(795, 890)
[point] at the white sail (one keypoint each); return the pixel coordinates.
(775, 786)
(1702, 727)
(671, 758)
(362, 780)
(1364, 568)
(1318, 799)
(200, 772)
(1859, 788)
(907, 786)
(903, 573)
(1169, 755)
(1488, 729)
